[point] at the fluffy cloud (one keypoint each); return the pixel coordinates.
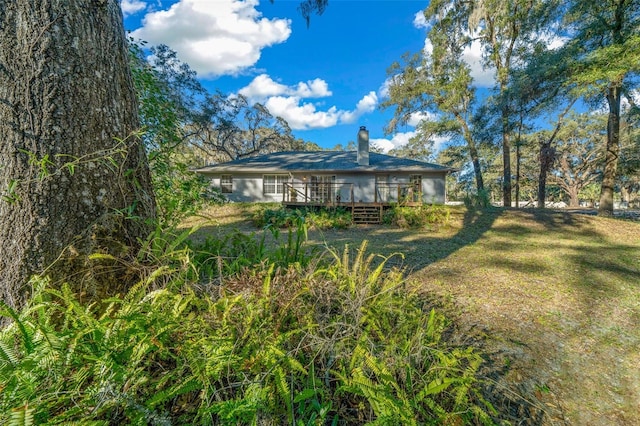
(419, 21)
(398, 140)
(263, 86)
(417, 117)
(472, 55)
(214, 37)
(130, 7)
(289, 102)
(366, 105)
(302, 115)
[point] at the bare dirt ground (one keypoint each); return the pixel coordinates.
(551, 298)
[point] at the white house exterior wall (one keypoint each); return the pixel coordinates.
(433, 188)
(249, 187)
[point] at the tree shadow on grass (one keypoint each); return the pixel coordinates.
(422, 249)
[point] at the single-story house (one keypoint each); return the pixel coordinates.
(330, 178)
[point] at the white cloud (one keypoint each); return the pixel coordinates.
(383, 91)
(131, 7)
(472, 55)
(264, 86)
(317, 88)
(289, 102)
(419, 21)
(304, 115)
(301, 115)
(417, 117)
(214, 37)
(366, 105)
(398, 140)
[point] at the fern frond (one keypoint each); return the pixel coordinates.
(27, 339)
(190, 384)
(22, 416)
(7, 356)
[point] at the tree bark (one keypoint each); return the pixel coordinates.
(473, 152)
(506, 163)
(574, 200)
(613, 152)
(74, 176)
(546, 157)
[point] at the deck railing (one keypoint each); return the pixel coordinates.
(398, 193)
(318, 193)
(333, 194)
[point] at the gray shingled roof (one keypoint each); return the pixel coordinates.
(322, 161)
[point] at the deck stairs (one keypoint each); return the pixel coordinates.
(367, 214)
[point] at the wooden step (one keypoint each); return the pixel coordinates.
(366, 214)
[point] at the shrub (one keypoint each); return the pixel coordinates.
(277, 217)
(424, 216)
(338, 218)
(324, 218)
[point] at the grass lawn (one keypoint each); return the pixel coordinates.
(552, 298)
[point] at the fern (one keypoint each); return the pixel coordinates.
(22, 416)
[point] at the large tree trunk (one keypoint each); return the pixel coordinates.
(574, 200)
(613, 151)
(73, 174)
(546, 158)
(473, 153)
(506, 160)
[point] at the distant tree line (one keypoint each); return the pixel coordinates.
(562, 108)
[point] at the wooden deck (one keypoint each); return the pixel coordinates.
(341, 195)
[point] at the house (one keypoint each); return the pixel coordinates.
(353, 179)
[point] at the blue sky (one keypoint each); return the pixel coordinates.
(326, 80)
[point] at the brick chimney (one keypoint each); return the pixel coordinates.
(363, 146)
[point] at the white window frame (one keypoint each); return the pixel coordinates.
(416, 180)
(416, 185)
(274, 184)
(226, 184)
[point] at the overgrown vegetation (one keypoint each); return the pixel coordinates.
(478, 200)
(426, 216)
(323, 218)
(269, 338)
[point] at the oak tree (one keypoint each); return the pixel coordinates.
(74, 175)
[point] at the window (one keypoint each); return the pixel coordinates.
(382, 188)
(416, 187)
(226, 184)
(416, 180)
(323, 188)
(273, 184)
